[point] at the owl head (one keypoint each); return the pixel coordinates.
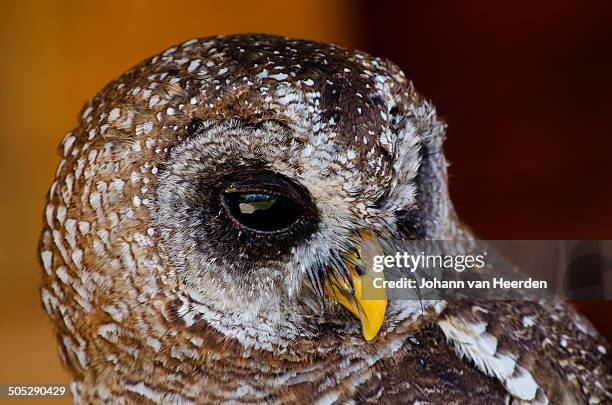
(222, 190)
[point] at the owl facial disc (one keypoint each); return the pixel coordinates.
(364, 301)
(266, 204)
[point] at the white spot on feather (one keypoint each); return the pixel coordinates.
(68, 142)
(279, 76)
(87, 111)
(46, 257)
(114, 114)
(522, 385)
(193, 65)
(528, 321)
(153, 101)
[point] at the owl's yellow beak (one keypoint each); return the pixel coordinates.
(367, 303)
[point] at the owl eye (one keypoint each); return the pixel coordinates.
(261, 212)
(266, 205)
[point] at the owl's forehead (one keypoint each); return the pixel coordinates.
(349, 93)
(345, 103)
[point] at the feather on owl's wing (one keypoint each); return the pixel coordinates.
(426, 370)
(542, 352)
(494, 352)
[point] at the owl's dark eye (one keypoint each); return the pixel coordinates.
(261, 212)
(267, 203)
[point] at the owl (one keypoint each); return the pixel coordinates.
(201, 243)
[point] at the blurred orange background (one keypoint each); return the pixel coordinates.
(525, 90)
(57, 54)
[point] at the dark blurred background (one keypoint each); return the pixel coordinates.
(524, 86)
(526, 89)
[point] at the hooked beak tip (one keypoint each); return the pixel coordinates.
(366, 302)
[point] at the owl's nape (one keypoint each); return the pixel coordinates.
(204, 242)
